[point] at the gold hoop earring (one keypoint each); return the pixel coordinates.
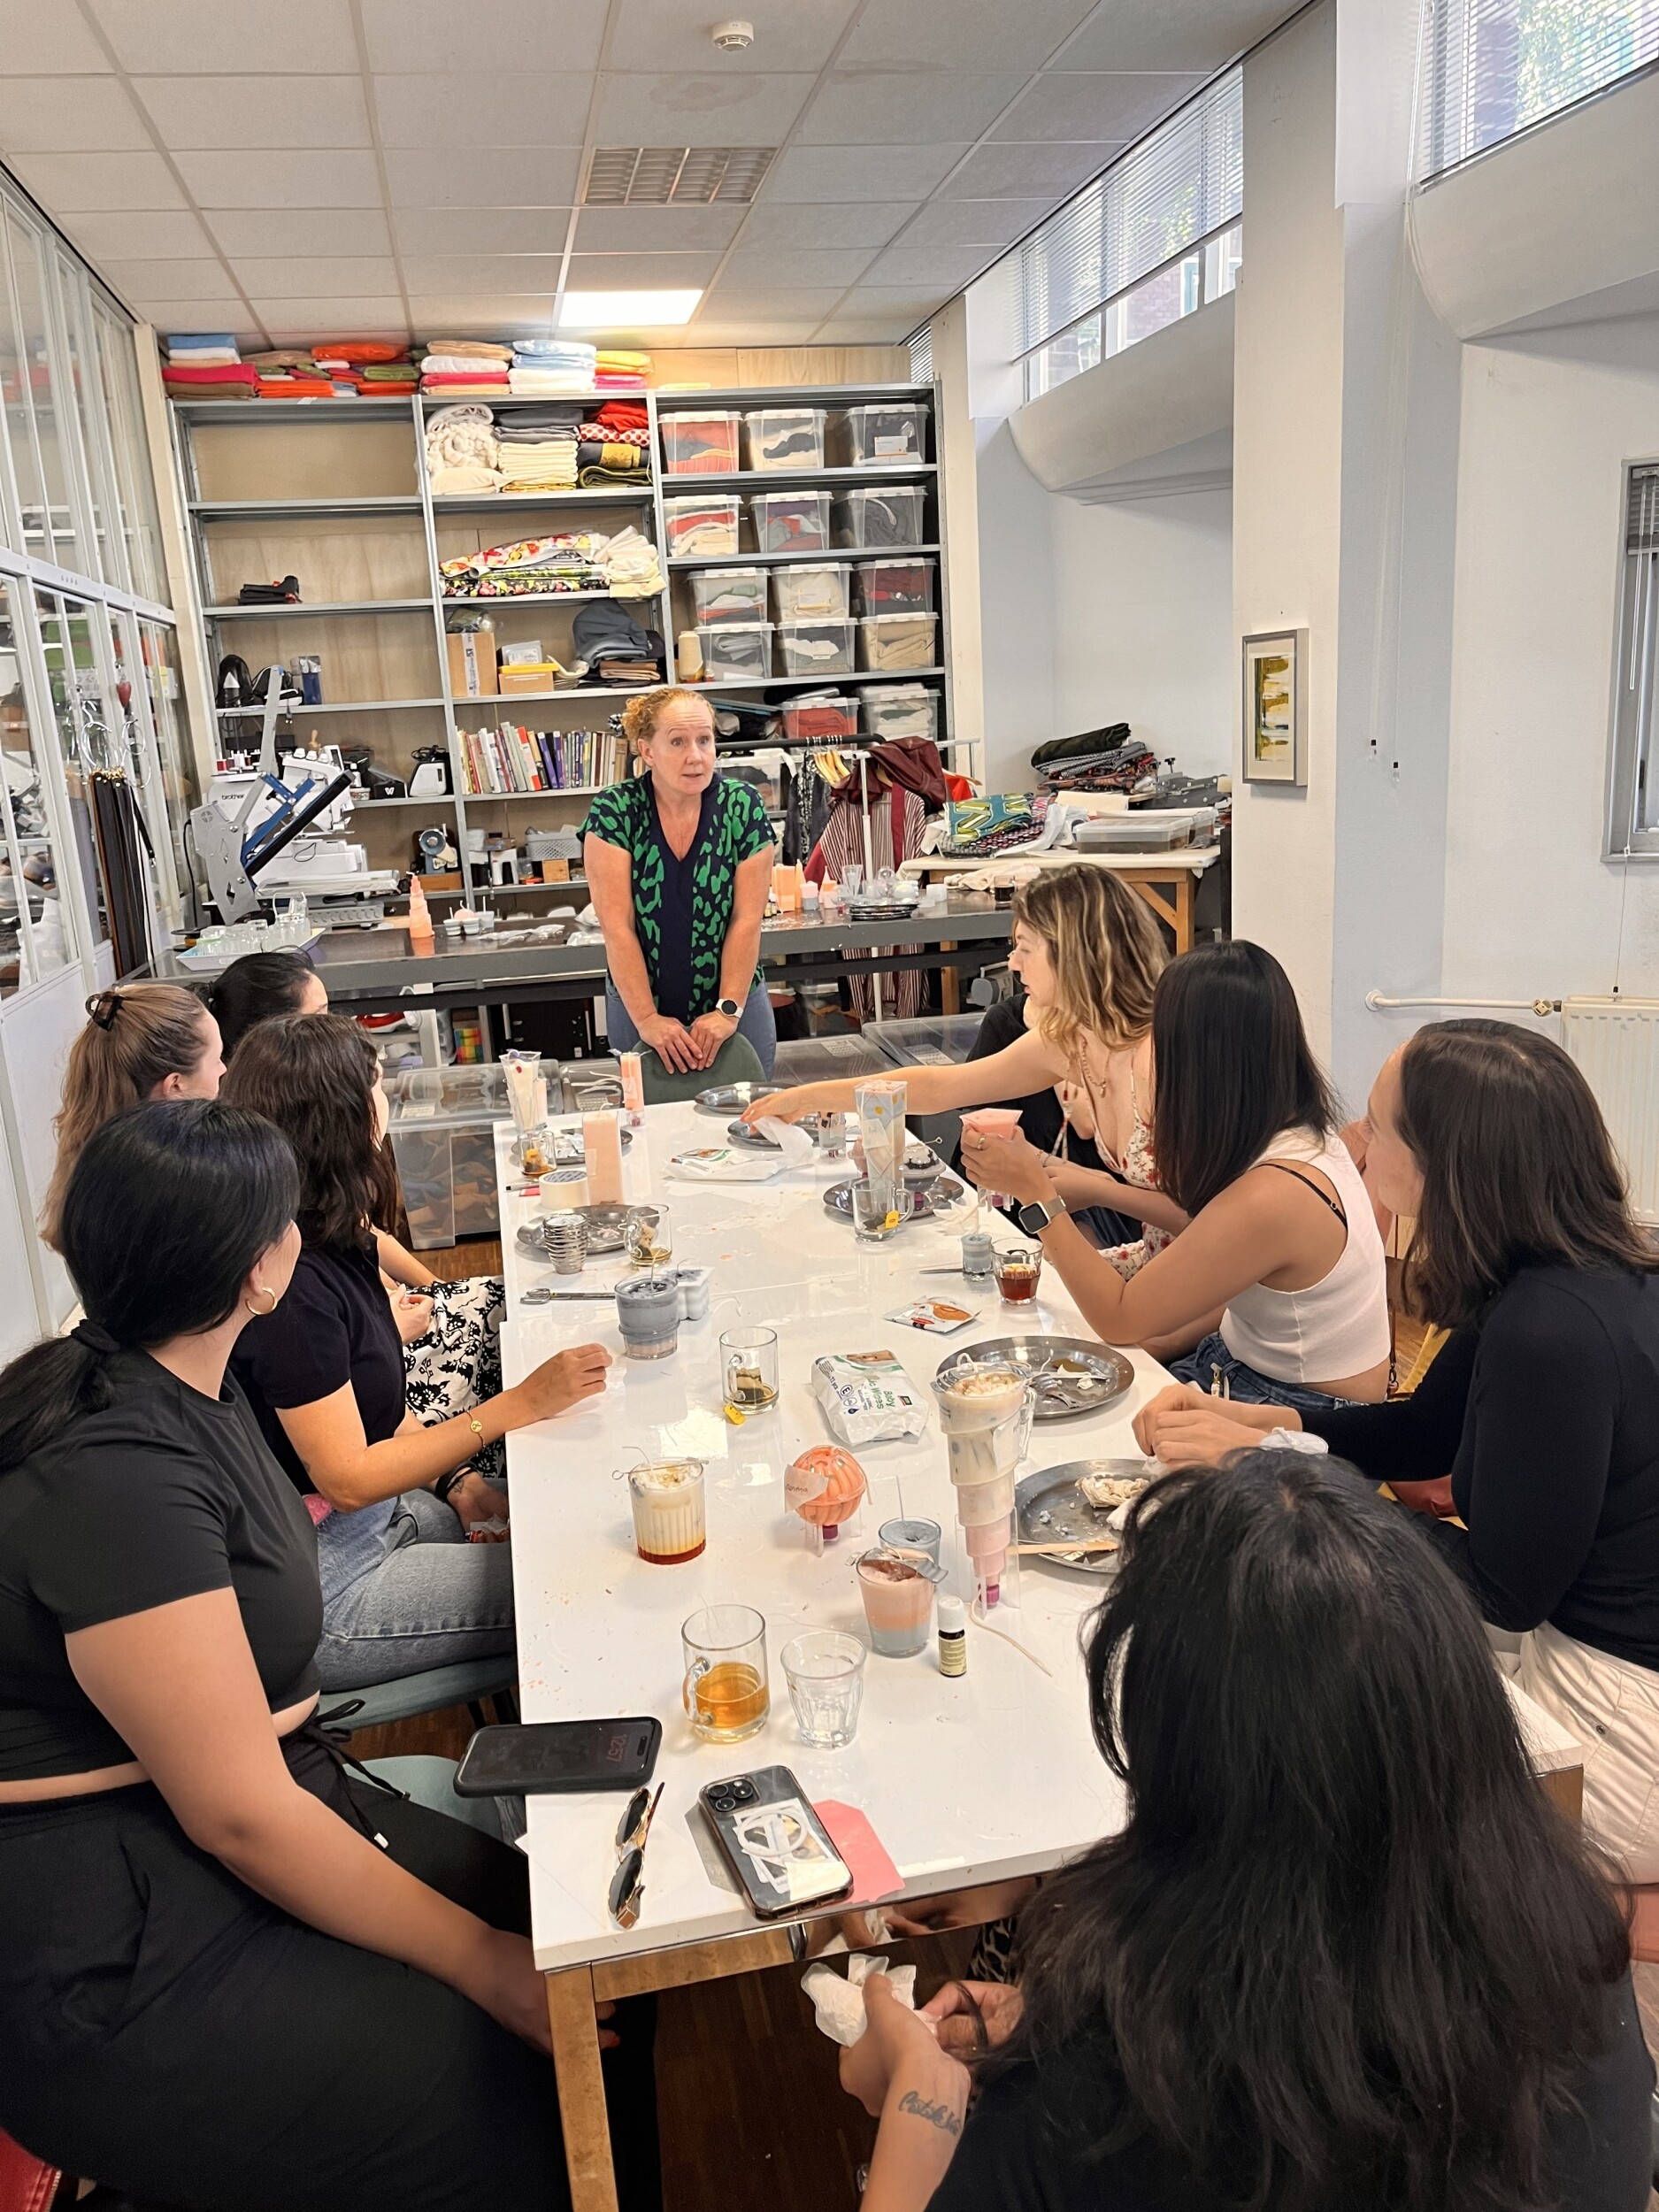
(262, 1290)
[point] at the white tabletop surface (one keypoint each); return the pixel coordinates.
(1184, 859)
(963, 1780)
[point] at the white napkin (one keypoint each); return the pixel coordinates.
(840, 2005)
(734, 1164)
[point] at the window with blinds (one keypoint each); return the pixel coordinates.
(1492, 68)
(1632, 824)
(1151, 239)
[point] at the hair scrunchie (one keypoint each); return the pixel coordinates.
(94, 1338)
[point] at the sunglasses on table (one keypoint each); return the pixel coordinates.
(627, 1884)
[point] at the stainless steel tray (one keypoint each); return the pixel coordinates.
(1049, 1508)
(1072, 1374)
(606, 1230)
(938, 1196)
(754, 1140)
(731, 1098)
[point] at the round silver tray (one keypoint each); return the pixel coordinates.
(753, 1140)
(607, 1228)
(940, 1193)
(882, 910)
(731, 1098)
(1049, 1508)
(1090, 1377)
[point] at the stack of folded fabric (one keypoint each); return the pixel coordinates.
(466, 368)
(206, 365)
(531, 568)
(461, 453)
(620, 371)
(616, 445)
(349, 362)
(632, 569)
(538, 448)
(551, 368)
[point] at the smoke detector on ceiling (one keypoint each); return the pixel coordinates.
(732, 38)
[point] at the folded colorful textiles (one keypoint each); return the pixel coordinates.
(613, 358)
(560, 564)
(280, 359)
(461, 442)
(606, 381)
(620, 415)
(223, 381)
(296, 388)
(204, 357)
(560, 352)
(461, 364)
(390, 372)
(599, 428)
(595, 479)
(357, 352)
(202, 349)
(595, 453)
(536, 422)
(488, 372)
(464, 481)
(477, 349)
(549, 383)
(631, 566)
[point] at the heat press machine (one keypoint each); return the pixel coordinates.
(253, 820)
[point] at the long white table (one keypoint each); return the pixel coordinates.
(964, 1781)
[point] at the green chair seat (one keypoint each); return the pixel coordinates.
(411, 1694)
(736, 1062)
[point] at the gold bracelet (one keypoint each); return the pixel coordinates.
(477, 1428)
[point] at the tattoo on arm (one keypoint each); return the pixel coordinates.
(938, 2115)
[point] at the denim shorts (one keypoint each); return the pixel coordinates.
(1247, 1385)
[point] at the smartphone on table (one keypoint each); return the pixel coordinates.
(543, 1758)
(774, 1843)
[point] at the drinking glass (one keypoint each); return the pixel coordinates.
(825, 1673)
(1018, 1268)
(667, 1498)
(897, 1588)
(725, 1690)
(879, 1213)
(749, 1371)
(648, 1237)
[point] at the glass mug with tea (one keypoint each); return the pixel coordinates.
(1019, 1269)
(749, 1371)
(725, 1690)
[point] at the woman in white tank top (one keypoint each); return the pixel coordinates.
(1279, 1276)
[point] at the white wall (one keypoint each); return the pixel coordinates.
(1530, 907)
(1143, 617)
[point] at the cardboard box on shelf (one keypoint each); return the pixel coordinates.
(473, 670)
(529, 676)
(555, 871)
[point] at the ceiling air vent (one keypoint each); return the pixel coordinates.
(675, 176)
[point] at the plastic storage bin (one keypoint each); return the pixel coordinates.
(441, 1123)
(829, 1059)
(819, 716)
(700, 442)
(816, 648)
(735, 652)
(882, 433)
(785, 437)
(892, 516)
(895, 586)
(703, 529)
(729, 595)
(899, 710)
(790, 522)
(805, 592)
(896, 640)
(929, 1041)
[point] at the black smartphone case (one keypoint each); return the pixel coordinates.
(531, 1782)
(775, 1844)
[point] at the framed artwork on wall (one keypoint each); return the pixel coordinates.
(1276, 707)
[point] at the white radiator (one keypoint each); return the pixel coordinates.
(1616, 1042)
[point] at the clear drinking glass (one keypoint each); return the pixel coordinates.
(648, 1237)
(749, 1371)
(1018, 1270)
(825, 1673)
(877, 1213)
(725, 1690)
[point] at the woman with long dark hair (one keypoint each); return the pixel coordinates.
(1279, 1275)
(259, 987)
(1543, 1407)
(399, 1456)
(222, 1979)
(1345, 1951)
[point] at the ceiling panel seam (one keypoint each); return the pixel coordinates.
(373, 106)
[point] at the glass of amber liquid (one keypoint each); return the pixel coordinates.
(1018, 1270)
(725, 1690)
(749, 1371)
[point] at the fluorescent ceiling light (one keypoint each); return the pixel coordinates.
(626, 311)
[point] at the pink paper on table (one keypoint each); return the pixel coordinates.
(873, 1872)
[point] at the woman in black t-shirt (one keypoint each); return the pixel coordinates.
(397, 1498)
(1345, 1951)
(204, 1930)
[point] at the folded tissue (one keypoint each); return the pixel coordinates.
(840, 2005)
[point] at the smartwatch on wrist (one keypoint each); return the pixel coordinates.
(729, 1007)
(1035, 1218)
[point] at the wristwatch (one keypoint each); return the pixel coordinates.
(1035, 1218)
(729, 1007)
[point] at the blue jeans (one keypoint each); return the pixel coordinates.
(429, 1599)
(1247, 1385)
(757, 1022)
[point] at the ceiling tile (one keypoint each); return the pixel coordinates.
(438, 316)
(660, 229)
(336, 178)
(788, 36)
(907, 304)
(48, 38)
(992, 173)
(513, 177)
(749, 334)
(168, 279)
(481, 110)
(793, 223)
(308, 230)
(760, 304)
(699, 109)
(226, 37)
(464, 275)
(330, 317)
(752, 267)
(316, 276)
(978, 35)
(974, 222)
(66, 183)
(863, 329)
(518, 34)
(946, 268)
(1195, 34)
(389, 334)
(902, 107)
(141, 236)
(193, 113)
(49, 115)
(630, 271)
(489, 230)
(181, 315)
(1094, 105)
(814, 173)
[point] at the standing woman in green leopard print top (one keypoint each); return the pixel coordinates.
(678, 861)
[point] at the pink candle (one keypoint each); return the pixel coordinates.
(603, 1147)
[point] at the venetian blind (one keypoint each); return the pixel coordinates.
(1179, 184)
(1642, 524)
(1492, 68)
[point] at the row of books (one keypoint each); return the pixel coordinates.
(511, 758)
